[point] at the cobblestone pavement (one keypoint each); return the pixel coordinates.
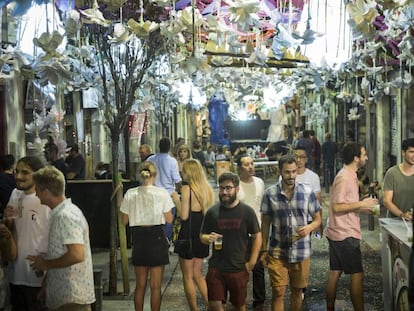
(174, 298)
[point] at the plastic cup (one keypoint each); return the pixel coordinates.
(295, 231)
(410, 235)
(218, 243)
(376, 210)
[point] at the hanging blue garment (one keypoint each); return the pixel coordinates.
(218, 111)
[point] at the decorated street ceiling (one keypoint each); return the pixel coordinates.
(263, 44)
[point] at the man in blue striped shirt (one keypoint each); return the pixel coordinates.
(291, 210)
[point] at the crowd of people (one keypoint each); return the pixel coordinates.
(249, 228)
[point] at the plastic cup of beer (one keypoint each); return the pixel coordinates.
(218, 243)
(410, 235)
(376, 210)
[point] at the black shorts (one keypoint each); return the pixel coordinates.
(345, 256)
(149, 246)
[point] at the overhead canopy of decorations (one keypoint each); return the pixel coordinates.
(267, 39)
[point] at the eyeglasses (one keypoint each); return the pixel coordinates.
(298, 157)
(227, 188)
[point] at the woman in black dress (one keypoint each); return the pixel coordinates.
(196, 197)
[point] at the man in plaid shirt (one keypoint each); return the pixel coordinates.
(291, 210)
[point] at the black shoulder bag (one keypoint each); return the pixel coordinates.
(184, 247)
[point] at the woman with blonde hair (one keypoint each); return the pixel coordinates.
(146, 208)
(196, 197)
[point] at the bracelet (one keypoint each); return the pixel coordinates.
(263, 251)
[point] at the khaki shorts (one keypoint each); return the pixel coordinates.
(281, 272)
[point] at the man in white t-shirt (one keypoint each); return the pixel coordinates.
(251, 193)
(304, 175)
(29, 221)
(309, 178)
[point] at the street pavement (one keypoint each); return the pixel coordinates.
(174, 297)
(125, 301)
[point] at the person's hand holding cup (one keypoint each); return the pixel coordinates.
(376, 210)
(218, 243)
(12, 212)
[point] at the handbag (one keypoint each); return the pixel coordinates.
(184, 247)
(176, 228)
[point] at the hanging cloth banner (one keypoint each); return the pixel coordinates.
(218, 111)
(138, 125)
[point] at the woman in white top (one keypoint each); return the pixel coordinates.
(146, 208)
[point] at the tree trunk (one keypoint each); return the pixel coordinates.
(117, 229)
(114, 223)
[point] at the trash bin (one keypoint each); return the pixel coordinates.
(97, 280)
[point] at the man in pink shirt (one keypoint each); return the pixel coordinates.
(343, 229)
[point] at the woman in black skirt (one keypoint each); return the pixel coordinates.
(146, 208)
(196, 197)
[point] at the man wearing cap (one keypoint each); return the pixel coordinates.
(76, 163)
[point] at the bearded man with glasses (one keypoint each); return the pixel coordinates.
(234, 223)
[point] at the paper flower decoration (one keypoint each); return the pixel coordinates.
(308, 36)
(402, 18)
(344, 95)
(53, 72)
(36, 146)
(283, 40)
(49, 42)
(403, 81)
(142, 29)
(244, 13)
(185, 18)
(363, 13)
(120, 34)
(259, 56)
(172, 31)
(16, 54)
(177, 57)
(72, 23)
(217, 24)
(195, 63)
(364, 84)
(220, 61)
(407, 43)
(62, 146)
(357, 99)
(353, 114)
(4, 59)
(95, 16)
